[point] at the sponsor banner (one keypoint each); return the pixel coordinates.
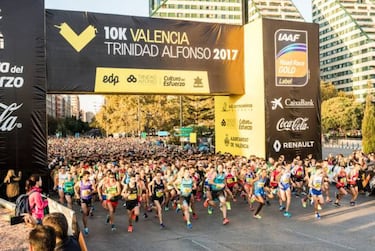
(117, 80)
(23, 140)
(292, 89)
(291, 54)
(81, 45)
(237, 130)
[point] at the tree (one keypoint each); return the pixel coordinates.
(341, 114)
(327, 91)
(368, 126)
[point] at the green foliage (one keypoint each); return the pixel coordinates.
(341, 114)
(132, 114)
(327, 91)
(368, 126)
(66, 126)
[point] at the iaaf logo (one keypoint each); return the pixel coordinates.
(291, 103)
(7, 120)
(298, 124)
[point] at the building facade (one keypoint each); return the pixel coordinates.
(347, 44)
(224, 11)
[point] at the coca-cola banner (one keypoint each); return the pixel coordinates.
(292, 89)
(23, 141)
(102, 53)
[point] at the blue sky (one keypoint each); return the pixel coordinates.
(133, 7)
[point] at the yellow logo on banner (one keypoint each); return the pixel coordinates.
(78, 42)
(126, 80)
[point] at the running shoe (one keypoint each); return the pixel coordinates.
(257, 216)
(210, 210)
(225, 221)
(190, 210)
(268, 203)
(281, 208)
(352, 203)
(130, 228)
(162, 225)
(189, 225)
(205, 203)
(113, 227)
(166, 209)
(145, 215)
(86, 231)
(107, 219)
(287, 214)
(337, 204)
(195, 216)
(304, 203)
(317, 216)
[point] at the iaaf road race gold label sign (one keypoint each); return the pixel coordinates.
(104, 53)
(291, 58)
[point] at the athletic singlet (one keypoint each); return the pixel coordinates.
(61, 179)
(219, 182)
(111, 190)
(230, 180)
(85, 190)
(341, 178)
(186, 187)
(158, 189)
(274, 174)
(353, 178)
(299, 172)
(133, 193)
(285, 181)
(317, 182)
(69, 186)
(259, 186)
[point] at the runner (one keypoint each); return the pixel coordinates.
(68, 188)
(259, 193)
(83, 191)
(316, 182)
(184, 187)
(109, 192)
(217, 183)
(157, 188)
(131, 193)
(352, 183)
(285, 194)
(341, 183)
(61, 177)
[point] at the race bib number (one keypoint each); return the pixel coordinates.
(132, 196)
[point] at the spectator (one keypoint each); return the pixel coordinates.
(36, 202)
(12, 185)
(64, 242)
(42, 238)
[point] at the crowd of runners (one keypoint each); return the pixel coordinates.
(143, 177)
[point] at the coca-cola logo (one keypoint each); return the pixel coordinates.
(8, 121)
(298, 124)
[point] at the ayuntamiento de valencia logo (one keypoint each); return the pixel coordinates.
(78, 42)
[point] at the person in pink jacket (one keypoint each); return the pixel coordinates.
(36, 202)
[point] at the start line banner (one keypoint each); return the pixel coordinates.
(101, 53)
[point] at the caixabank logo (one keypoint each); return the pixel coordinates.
(77, 41)
(291, 58)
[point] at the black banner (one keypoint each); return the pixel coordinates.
(23, 142)
(90, 52)
(292, 89)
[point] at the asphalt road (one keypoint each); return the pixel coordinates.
(344, 228)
